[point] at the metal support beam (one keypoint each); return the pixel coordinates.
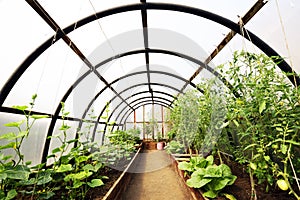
(245, 19)
(146, 44)
(48, 19)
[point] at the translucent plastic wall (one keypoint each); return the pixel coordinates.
(124, 59)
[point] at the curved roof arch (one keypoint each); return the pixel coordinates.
(61, 34)
(143, 7)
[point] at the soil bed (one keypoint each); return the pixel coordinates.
(241, 189)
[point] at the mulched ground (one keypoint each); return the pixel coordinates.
(241, 189)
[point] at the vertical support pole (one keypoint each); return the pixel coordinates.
(162, 123)
(144, 124)
(134, 119)
(153, 121)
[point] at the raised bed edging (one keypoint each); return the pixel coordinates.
(121, 183)
(196, 194)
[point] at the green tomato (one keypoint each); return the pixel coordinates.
(282, 184)
(253, 166)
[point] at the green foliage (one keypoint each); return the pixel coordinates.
(265, 117)
(74, 170)
(174, 147)
(261, 124)
(207, 176)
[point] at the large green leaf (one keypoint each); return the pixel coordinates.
(88, 167)
(77, 184)
(262, 106)
(219, 183)
(14, 124)
(196, 182)
(47, 195)
(17, 174)
(64, 168)
(11, 194)
(81, 159)
(210, 194)
(78, 176)
(44, 177)
(226, 171)
(22, 108)
(213, 172)
(95, 183)
(8, 136)
(3, 175)
(185, 166)
(210, 160)
(39, 116)
(199, 172)
(28, 182)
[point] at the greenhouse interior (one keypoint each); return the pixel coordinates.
(150, 99)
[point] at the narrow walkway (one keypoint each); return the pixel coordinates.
(155, 179)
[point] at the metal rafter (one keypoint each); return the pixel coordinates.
(51, 22)
(142, 104)
(146, 44)
(245, 19)
(131, 87)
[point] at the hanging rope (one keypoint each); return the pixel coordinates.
(64, 67)
(45, 63)
(285, 38)
(106, 38)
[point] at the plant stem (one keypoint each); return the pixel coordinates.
(253, 191)
(221, 161)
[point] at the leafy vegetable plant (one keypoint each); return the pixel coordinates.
(207, 176)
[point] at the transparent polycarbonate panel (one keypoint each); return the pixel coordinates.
(160, 95)
(130, 81)
(20, 35)
(166, 89)
(139, 96)
(110, 36)
(229, 9)
(119, 111)
(90, 37)
(148, 100)
(139, 115)
(123, 66)
(86, 131)
(238, 43)
(167, 80)
(184, 33)
(278, 26)
(99, 134)
(121, 27)
(115, 69)
(69, 11)
(101, 102)
(36, 137)
(55, 142)
(172, 64)
(50, 76)
(83, 94)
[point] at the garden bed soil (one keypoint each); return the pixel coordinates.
(241, 189)
(99, 192)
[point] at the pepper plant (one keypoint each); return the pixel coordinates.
(265, 119)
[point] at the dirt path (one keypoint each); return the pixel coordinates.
(155, 179)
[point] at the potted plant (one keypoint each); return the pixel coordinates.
(160, 144)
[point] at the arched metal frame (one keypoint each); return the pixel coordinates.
(137, 85)
(146, 102)
(139, 107)
(143, 104)
(162, 51)
(143, 7)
